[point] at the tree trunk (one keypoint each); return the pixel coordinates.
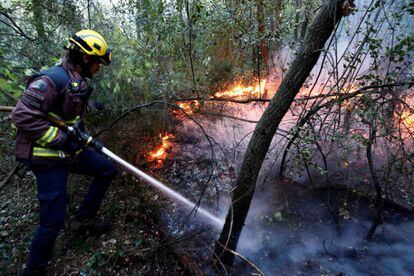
(379, 202)
(89, 14)
(305, 23)
(261, 32)
(318, 33)
(38, 19)
(274, 70)
(190, 43)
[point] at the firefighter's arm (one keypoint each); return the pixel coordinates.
(30, 113)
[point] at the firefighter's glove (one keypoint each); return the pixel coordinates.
(71, 145)
(83, 138)
(78, 134)
(96, 144)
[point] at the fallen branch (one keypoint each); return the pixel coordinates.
(6, 108)
(302, 99)
(228, 116)
(214, 99)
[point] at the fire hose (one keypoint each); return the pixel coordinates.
(136, 172)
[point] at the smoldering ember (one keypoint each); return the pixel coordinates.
(207, 137)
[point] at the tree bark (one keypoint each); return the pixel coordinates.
(274, 70)
(379, 202)
(261, 32)
(190, 42)
(317, 35)
(38, 19)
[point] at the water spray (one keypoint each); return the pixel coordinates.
(163, 188)
(135, 171)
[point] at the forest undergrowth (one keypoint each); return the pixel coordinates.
(135, 244)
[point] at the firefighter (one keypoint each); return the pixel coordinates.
(62, 92)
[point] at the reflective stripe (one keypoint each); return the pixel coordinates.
(48, 136)
(45, 152)
(68, 122)
(74, 121)
(54, 115)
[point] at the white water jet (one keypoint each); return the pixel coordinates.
(163, 188)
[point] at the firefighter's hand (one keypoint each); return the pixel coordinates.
(83, 138)
(79, 134)
(71, 145)
(96, 144)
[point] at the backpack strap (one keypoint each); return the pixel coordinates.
(57, 74)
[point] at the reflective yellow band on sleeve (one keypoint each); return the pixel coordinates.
(68, 122)
(45, 152)
(73, 121)
(48, 136)
(54, 115)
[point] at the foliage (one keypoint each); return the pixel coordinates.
(167, 49)
(150, 40)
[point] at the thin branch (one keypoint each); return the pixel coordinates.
(6, 108)
(230, 100)
(15, 27)
(11, 173)
(261, 100)
(241, 257)
(171, 105)
(228, 116)
(316, 108)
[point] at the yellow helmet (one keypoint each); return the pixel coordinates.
(91, 43)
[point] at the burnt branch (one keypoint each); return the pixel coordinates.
(298, 100)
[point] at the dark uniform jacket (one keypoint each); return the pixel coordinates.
(55, 92)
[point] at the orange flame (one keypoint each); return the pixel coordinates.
(160, 154)
(239, 91)
(407, 119)
(188, 107)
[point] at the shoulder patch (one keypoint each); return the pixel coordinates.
(39, 85)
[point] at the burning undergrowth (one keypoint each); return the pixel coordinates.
(294, 226)
(239, 90)
(157, 156)
(300, 228)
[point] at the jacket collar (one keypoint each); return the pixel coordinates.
(73, 73)
(71, 69)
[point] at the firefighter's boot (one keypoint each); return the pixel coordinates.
(90, 226)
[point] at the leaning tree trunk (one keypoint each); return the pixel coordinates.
(318, 33)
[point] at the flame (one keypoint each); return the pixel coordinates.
(188, 107)
(349, 89)
(407, 119)
(239, 91)
(160, 154)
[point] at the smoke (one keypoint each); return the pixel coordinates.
(290, 228)
(305, 239)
